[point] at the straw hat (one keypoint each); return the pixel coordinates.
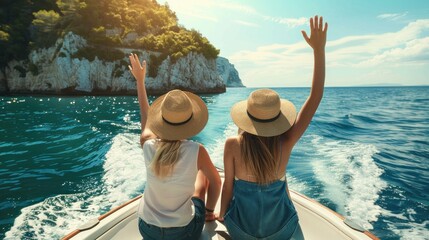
(177, 115)
(264, 114)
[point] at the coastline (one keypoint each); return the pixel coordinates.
(73, 93)
(102, 93)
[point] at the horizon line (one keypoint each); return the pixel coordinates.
(340, 86)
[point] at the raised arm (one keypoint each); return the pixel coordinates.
(317, 41)
(139, 72)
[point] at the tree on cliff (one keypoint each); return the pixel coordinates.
(15, 31)
(31, 24)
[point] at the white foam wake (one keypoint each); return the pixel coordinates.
(56, 216)
(125, 172)
(296, 184)
(350, 177)
(404, 224)
(410, 231)
(216, 150)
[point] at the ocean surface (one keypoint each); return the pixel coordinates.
(65, 160)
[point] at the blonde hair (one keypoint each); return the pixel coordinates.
(260, 156)
(165, 158)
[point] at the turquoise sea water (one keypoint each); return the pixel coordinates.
(64, 160)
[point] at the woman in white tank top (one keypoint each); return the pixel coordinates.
(179, 171)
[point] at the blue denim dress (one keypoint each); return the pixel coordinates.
(261, 211)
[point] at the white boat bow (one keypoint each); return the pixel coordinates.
(317, 222)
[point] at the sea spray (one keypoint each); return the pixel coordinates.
(350, 177)
(124, 178)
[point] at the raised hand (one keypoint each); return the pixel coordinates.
(138, 70)
(317, 39)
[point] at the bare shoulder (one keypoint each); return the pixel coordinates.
(147, 134)
(232, 146)
(201, 147)
(232, 142)
(233, 139)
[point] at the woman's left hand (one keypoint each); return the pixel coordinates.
(138, 70)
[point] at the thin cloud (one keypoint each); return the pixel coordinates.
(414, 52)
(395, 47)
(290, 22)
(392, 16)
(248, 24)
(392, 50)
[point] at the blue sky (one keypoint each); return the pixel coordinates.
(381, 42)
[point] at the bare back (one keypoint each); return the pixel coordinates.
(232, 148)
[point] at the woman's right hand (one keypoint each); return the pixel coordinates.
(317, 39)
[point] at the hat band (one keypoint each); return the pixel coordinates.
(179, 123)
(263, 120)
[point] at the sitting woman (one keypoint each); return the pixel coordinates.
(179, 171)
(255, 198)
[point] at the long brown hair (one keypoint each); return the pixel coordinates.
(260, 156)
(165, 158)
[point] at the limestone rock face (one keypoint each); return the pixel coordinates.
(55, 70)
(193, 72)
(228, 73)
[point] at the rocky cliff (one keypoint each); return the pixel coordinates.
(56, 70)
(228, 73)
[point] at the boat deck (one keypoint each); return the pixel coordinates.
(317, 222)
(212, 230)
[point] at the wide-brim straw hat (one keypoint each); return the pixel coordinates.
(177, 115)
(264, 114)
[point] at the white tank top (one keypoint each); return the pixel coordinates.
(167, 202)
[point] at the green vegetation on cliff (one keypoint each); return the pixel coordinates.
(106, 24)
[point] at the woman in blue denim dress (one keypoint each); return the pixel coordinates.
(255, 201)
(179, 172)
